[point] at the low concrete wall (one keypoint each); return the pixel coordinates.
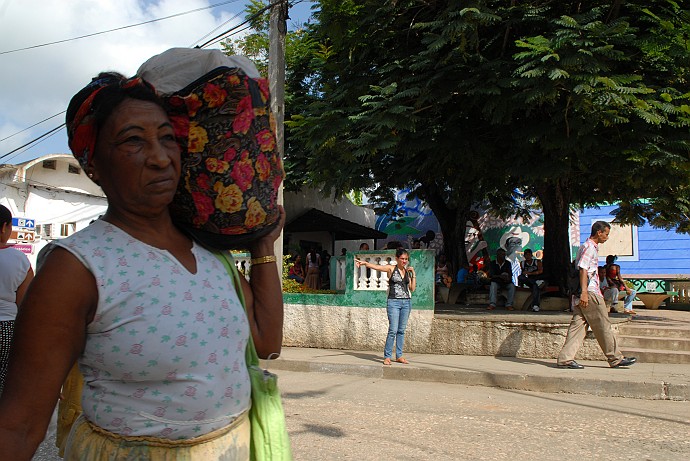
(355, 328)
(450, 335)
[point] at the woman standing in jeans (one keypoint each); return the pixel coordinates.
(402, 281)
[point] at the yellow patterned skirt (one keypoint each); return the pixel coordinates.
(88, 442)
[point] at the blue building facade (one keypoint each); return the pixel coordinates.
(642, 251)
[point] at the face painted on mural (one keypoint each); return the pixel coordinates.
(515, 232)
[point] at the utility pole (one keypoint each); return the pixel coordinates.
(276, 78)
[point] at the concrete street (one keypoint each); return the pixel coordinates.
(347, 417)
(337, 417)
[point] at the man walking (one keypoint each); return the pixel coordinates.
(590, 308)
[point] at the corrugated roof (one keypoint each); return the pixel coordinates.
(315, 220)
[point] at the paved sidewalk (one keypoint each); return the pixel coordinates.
(641, 381)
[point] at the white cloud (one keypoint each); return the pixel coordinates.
(38, 83)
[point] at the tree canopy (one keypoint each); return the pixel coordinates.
(488, 102)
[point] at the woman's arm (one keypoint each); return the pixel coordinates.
(540, 268)
(377, 267)
(21, 291)
(413, 278)
(49, 335)
(264, 296)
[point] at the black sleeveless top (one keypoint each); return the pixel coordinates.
(398, 286)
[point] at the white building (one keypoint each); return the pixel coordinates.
(54, 195)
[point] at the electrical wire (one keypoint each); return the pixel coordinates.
(34, 141)
(29, 127)
(246, 21)
(215, 29)
(228, 33)
(117, 28)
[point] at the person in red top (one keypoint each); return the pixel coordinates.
(296, 271)
(616, 284)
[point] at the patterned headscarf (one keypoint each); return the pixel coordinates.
(82, 131)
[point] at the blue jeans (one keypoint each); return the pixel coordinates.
(398, 313)
(495, 288)
(627, 302)
(297, 278)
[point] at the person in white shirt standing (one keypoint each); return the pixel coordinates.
(15, 275)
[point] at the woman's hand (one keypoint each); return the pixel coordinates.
(359, 262)
(264, 245)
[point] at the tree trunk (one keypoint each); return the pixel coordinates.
(453, 223)
(555, 200)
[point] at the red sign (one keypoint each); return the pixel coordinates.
(24, 248)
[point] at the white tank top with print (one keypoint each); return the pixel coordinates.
(164, 354)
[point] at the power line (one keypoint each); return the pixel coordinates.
(118, 28)
(215, 29)
(29, 127)
(246, 21)
(34, 141)
(228, 33)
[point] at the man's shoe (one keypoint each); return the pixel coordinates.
(535, 308)
(540, 283)
(572, 365)
(626, 362)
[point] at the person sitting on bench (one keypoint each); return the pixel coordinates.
(532, 277)
(501, 279)
(616, 284)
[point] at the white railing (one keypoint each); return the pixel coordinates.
(243, 263)
(683, 289)
(369, 279)
(340, 265)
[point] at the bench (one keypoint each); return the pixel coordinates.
(523, 296)
(450, 295)
(652, 300)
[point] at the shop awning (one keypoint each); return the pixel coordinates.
(318, 221)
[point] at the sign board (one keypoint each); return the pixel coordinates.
(25, 248)
(23, 235)
(24, 223)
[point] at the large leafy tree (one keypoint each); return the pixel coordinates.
(463, 102)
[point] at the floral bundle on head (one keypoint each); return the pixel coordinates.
(231, 170)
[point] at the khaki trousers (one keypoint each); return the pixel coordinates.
(597, 317)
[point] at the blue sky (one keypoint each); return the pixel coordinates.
(37, 83)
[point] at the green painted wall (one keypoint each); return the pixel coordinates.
(423, 298)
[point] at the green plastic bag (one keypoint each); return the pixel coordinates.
(270, 441)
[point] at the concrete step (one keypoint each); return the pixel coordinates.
(631, 329)
(658, 343)
(656, 355)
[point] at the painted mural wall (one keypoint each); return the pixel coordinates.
(419, 222)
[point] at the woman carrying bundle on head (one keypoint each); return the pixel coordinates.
(152, 317)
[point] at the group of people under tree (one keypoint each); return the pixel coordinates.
(501, 278)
